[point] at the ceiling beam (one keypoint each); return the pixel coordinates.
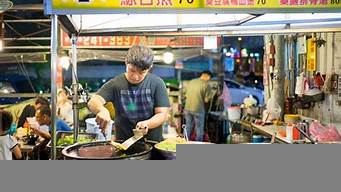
(27, 7)
(228, 32)
(27, 20)
(68, 25)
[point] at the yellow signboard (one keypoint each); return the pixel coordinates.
(277, 4)
(124, 4)
(194, 4)
(311, 55)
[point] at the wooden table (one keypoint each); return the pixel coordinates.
(267, 130)
(270, 130)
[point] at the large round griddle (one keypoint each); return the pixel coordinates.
(103, 150)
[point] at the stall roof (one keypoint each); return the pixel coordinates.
(131, 24)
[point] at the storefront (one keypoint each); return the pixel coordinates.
(300, 37)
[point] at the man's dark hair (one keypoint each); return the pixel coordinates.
(207, 72)
(5, 120)
(140, 56)
(42, 101)
(45, 110)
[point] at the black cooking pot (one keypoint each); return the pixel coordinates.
(103, 150)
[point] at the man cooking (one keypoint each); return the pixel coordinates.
(140, 98)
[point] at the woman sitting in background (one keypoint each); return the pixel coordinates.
(30, 110)
(64, 107)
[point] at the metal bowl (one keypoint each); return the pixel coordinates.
(171, 155)
(103, 150)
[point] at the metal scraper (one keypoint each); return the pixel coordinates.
(129, 142)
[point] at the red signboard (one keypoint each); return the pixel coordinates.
(128, 41)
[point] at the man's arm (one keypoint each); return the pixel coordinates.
(208, 93)
(157, 120)
(96, 105)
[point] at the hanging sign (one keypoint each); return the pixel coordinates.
(272, 4)
(176, 6)
(311, 55)
(128, 41)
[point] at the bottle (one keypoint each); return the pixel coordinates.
(295, 133)
(289, 131)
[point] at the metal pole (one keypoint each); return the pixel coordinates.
(54, 57)
(75, 89)
(278, 88)
(178, 73)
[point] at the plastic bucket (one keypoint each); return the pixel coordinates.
(234, 113)
(93, 127)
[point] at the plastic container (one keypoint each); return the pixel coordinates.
(291, 118)
(93, 127)
(257, 139)
(234, 113)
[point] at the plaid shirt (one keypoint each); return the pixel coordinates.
(136, 104)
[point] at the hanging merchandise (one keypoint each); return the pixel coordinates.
(301, 85)
(327, 86)
(334, 83)
(313, 95)
(271, 51)
(311, 54)
(334, 77)
(265, 70)
(301, 45)
(318, 80)
(273, 110)
(288, 105)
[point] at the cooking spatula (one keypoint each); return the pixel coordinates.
(129, 142)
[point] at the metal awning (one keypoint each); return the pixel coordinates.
(204, 24)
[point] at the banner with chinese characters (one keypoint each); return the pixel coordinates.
(280, 4)
(128, 41)
(179, 5)
(311, 55)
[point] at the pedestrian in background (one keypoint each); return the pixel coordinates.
(197, 94)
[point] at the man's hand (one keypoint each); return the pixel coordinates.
(103, 118)
(34, 130)
(142, 127)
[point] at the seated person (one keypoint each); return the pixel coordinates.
(64, 107)
(8, 144)
(43, 117)
(29, 110)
